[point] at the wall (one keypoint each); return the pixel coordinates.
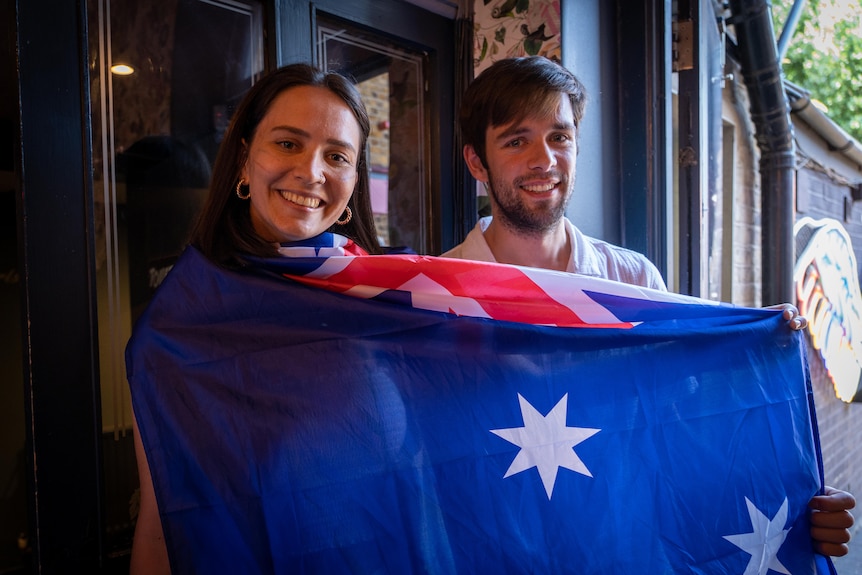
(823, 193)
(589, 50)
(840, 430)
(742, 181)
(375, 94)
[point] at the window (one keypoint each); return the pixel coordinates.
(164, 83)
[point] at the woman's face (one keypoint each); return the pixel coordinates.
(301, 164)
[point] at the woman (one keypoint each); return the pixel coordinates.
(291, 168)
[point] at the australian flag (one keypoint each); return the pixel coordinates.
(407, 414)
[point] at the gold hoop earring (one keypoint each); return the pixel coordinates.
(348, 215)
(239, 193)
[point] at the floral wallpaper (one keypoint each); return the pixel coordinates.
(508, 28)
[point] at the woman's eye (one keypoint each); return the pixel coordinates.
(340, 158)
(287, 145)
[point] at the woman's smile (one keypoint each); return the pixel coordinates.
(304, 201)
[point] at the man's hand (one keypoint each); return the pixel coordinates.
(831, 521)
(791, 314)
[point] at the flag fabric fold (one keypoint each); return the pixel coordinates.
(412, 414)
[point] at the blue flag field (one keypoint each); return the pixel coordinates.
(307, 416)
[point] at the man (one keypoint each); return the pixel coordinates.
(520, 120)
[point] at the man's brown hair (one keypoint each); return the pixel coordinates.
(513, 89)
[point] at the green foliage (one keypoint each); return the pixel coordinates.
(824, 56)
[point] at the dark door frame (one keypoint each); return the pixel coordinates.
(55, 238)
(644, 75)
(693, 151)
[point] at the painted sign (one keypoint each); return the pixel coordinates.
(828, 294)
(509, 28)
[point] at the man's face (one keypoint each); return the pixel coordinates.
(531, 169)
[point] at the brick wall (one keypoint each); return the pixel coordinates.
(840, 423)
(840, 431)
(746, 282)
(375, 94)
(822, 195)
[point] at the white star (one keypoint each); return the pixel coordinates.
(546, 443)
(764, 542)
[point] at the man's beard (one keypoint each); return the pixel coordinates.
(513, 213)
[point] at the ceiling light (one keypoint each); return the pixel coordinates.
(122, 70)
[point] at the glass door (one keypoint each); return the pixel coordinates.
(391, 80)
(402, 56)
(164, 80)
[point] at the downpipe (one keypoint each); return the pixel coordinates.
(770, 114)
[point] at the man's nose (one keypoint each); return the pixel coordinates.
(542, 156)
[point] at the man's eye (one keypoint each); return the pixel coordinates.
(515, 143)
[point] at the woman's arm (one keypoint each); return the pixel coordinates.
(149, 553)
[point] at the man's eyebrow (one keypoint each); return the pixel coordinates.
(517, 130)
(512, 130)
(304, 134)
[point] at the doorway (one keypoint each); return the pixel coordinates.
(402, 57)
(391, 81)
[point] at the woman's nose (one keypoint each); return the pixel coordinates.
(310, 169)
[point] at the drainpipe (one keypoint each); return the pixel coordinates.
(761, 69)
(789, 27)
